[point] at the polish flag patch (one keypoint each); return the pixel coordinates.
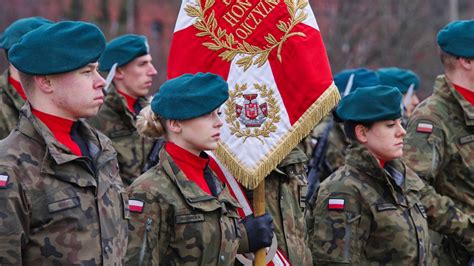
(3, 180)
(424, 128)
(336, 204)
(136, 205)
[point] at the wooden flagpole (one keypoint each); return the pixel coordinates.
(259, 209)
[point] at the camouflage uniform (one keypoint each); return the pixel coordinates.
(380, 222)
(180, 224)
(58, 208)
(117, 122)
(444, 157)
(10, 104)
(285, 189)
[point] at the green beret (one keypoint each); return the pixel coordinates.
(399, 78)
(122, 50)
(57, 48)
(370, 104)
(13, 33)
(363, 77)
(189, 96)
(457, 38)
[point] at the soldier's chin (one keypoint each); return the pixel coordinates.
(90, 113)
(212, 146)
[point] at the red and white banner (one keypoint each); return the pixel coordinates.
(280, 85)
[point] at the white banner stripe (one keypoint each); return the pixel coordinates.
(3, 177)
(252, 151)
(184, 21)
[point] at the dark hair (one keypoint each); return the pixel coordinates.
(349, 126)
(6, 54)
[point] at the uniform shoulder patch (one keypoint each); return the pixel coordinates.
(424, 128)
(3, 180)
(136, 205)
(336, 204)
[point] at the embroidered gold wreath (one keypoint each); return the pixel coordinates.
(251, 54)
(272, 115)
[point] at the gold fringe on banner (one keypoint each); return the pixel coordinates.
(250, 178)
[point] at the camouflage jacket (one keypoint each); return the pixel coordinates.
(179, 224)
(10, 104)
(439, 144)
(117, 122)
(335, 149)
(58, 208)
(362, 217)
(285, 189)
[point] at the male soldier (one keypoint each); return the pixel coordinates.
(440, 139)
(12, 96)
(124, 100)
(329, 136)
(63, 201)
(407, 82)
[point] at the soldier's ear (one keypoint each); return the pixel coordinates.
(174, 126)
(43, 83)
(119, 73)
(466, 63)
(360, 133)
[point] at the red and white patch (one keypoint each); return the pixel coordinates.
(3, 180)
(424, 128)
(136, 205)
(336, 204)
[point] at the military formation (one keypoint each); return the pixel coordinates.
(93, 171)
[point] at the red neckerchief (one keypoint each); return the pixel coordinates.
(191, 165)
(467, 94)
(17, 85)
(61, 129)
(130, 100)
(382, 163)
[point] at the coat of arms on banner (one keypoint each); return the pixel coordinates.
(247, 116)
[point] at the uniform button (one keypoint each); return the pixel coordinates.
(222, 257)
(281, 198)
(107, 250)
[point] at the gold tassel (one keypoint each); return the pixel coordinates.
(250, 178)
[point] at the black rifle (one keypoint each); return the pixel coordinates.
(153, 157)
(318, 159)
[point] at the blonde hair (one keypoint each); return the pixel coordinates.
(149, 124)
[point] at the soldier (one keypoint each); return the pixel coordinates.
(181, 211)
(117, 117)
(328, 137)
(440, 145)
(285, 189)
(12, 95)
(63, 201)
(407, 82)
(372, 210)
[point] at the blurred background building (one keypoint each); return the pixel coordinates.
(357, 33)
